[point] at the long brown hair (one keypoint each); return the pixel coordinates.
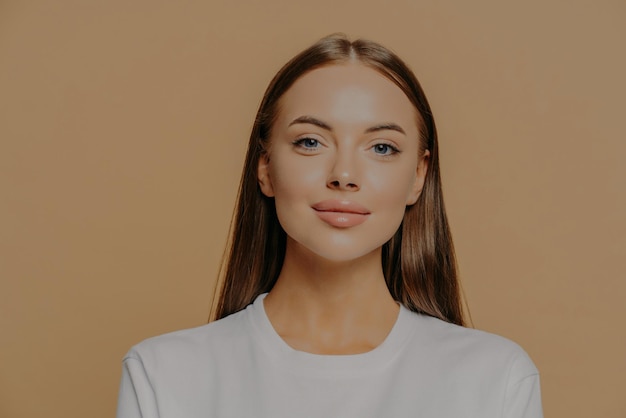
(418, 261)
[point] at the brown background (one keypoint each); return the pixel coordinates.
(123, 128)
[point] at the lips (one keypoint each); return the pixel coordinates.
(341, 213)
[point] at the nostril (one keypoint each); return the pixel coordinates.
(336, 184)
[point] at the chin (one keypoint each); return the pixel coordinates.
(342, 252)
(343, 256)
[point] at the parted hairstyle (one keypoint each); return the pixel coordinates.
(418, 261)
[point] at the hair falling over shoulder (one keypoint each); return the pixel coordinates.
(418, 262)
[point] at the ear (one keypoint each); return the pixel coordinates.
(422, 169)
(263, 175)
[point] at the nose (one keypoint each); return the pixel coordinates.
(343, 174)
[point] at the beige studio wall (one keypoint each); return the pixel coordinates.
(122, 135)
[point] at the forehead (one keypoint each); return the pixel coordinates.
(350, 93)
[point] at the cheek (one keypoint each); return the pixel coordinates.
(295, 177)
(393, 187)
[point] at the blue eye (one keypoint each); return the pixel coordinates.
(307, 143)
(385, 149)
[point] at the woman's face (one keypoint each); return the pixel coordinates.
(343, 161)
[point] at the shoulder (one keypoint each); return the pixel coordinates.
(183, 370)
(472, 349)
(186, 346)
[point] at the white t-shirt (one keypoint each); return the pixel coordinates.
(240, 367)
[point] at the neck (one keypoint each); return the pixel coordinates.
(331, 307)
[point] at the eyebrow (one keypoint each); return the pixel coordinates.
(386, 127)
(314, 121)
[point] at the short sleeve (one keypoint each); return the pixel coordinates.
(136, 397)
(523, 395)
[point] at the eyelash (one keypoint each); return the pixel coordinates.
(315, 144)
(300, 143)
(394, 150)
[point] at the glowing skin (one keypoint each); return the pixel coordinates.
(345, 137)
(342, 166)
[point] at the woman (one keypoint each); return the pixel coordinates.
(340, 295)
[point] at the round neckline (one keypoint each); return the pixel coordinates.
(302, 362)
